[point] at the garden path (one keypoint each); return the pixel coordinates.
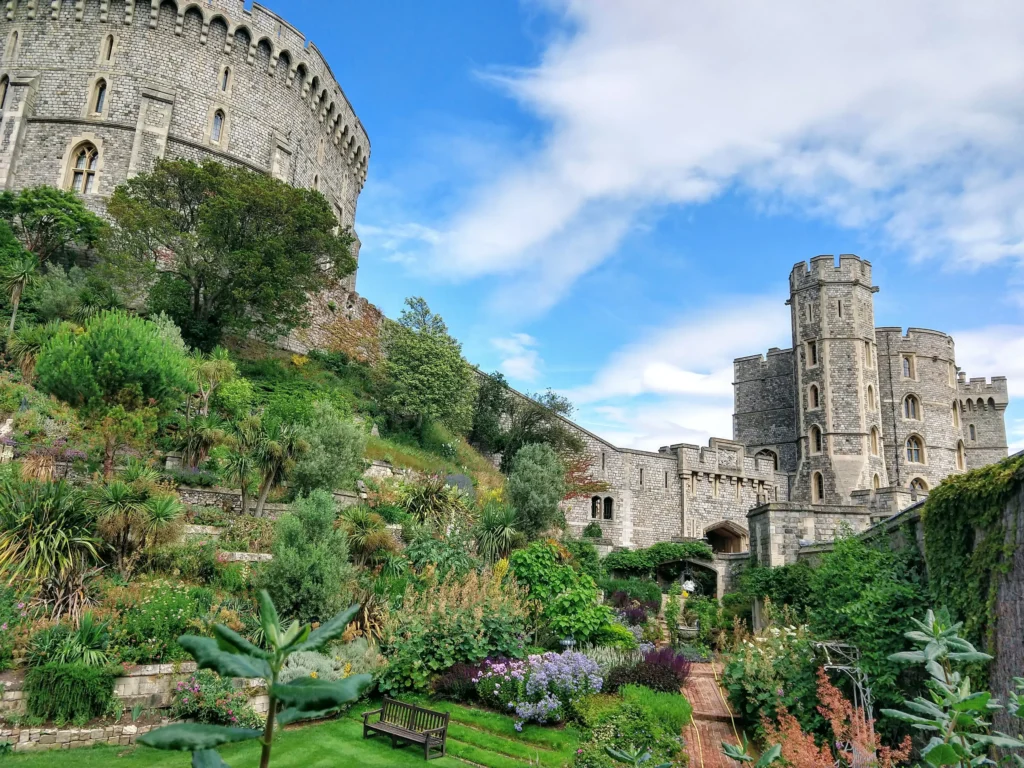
(712, 721)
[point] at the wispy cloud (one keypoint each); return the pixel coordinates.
(996, 350)
(520, 358)
(902, 115)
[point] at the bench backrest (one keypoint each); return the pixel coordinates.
(412, 717)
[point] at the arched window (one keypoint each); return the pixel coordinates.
(99, 99)
(911, 407)
(818, 486)
(766, 454)
(812, 396)
(82, 175)
(961, 455)
(956, 416)
(812, 353)
(918, 485)
(908, 367)
(974, 435)
(218, 127)
(4, 85)
(914, 450)
(609, 508)
(874, 441)
(108, 48)
(595, 508)
(871, 397)
(816, 440)
(225, 79)
(876, 482)
(970, 405)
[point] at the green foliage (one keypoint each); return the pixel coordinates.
(152, 616)
(788, 585)
(425, 376)
(190, 561)
(496, 533)
(672, 710)
(234, 398)
(335, 456)
(231, 655)
(310, 575)
(435, 503)
(69, 692)
(248, 248)
(567, 599)
(456, 620)
(208, 698)
(957, 718)
(585, 557)
(632, 731)
(74, 294)
(641, 590)
(708, 613)
(50, 222)
(778, 667)
(963, 567)
(46, 531)
(645, 562)
(535, 488)
(593, 531)
(449, 556)
(492, 404)
(65, 644)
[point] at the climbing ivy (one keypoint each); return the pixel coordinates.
(646, 561)
(967, 545)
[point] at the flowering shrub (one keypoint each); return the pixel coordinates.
(208, 698)
(152, 617)
(461, 619)
(543, 688)
(458, 682)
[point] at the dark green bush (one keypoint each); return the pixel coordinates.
(193, 478)
(584, 557)
(654, 676)
(191, 561)
(641, 590)
(593, 531)
(69, 692)
(645, 562)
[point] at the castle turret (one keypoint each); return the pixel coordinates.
(837, 394)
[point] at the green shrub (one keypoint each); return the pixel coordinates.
(593, 531)
(653, 676)
(69, 692)
(64, 644)
(641, 590)
(205, 697)
(672, 710)
(626, 727)
(449, 556)
(646, 562)
(335, 456)
(309, 578)
(615, 635)
(568, 598)
(152, 617)
(708, 612)
(584, 557)
(535, 488)
(13, 613)
(191, 561)
(193, 478)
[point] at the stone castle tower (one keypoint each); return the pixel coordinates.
(836, 380)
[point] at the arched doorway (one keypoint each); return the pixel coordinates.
(727, 536)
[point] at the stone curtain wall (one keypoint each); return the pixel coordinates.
(764, 405)
(777, 529)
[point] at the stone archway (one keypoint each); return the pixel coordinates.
(727, 537)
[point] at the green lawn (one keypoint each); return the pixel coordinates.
(474, 736)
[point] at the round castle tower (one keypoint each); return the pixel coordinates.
(839, 426)
(93, 92)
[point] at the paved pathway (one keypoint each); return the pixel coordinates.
(712, 723)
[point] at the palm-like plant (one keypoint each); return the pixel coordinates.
(244, 439)
(208, 372)
(46, 531)
(17, 276)
(24, 346)
(436, 503)
(496, 534)
(276, 452)
(198, 437)
(368, 535)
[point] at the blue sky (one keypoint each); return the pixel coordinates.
(606, 198)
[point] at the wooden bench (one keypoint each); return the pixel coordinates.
(408, 723)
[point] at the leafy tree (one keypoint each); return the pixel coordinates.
(310, 575)
(208, 372)
(425, 376)
(75, 294)
(18, 274)
(197, 437)
(335, 456)
(225, 249)
(244, 438)
(119, 371)
(277, 450)
(49, 222)
(535, 488)
(492, 406)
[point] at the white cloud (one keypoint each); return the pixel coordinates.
(520, 359)
(997, 350)
(906, 115)
(675, 385)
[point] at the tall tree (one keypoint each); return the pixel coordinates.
(50, 223)
(425, 376)
(278, 448)
(535, 488)
(16, 277)
(224, 249)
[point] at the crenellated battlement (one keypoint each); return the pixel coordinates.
(983, 389)
(823, 269)
(228, 23)
(778, 362)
